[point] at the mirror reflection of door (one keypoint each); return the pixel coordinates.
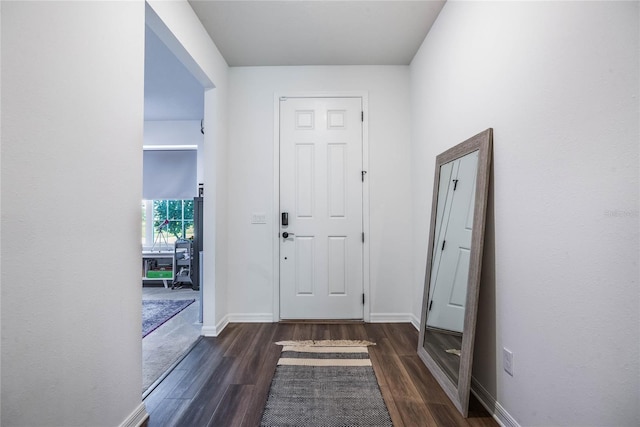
(454, 265)
(448, 288)
(321, 257)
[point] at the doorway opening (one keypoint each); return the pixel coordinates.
(171, 211)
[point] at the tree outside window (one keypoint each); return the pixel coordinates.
(178, 213)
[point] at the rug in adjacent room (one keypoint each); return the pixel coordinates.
(325, 383)
(156, 312)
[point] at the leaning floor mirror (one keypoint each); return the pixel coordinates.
(454, 261)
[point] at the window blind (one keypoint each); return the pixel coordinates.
(169, 174)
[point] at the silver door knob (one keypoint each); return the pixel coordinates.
(287, 234)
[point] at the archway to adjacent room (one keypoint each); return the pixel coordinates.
(172, 206)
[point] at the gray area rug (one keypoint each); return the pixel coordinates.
(325, 383)
(156, 312)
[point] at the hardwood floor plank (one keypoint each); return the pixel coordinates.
(360, 333)
(168, 413)
(384, 346)
(374, 331)
(425, 383)
(225, 381)
(302, 331)
(403, 336)
(320, 332)
(405, 394)
(209, 396)
(341, 332)
(415, 414)
(250, 363)
(387, 395)
(190, 385)
(240, 342)
(198, 352)
(266, 371)
(162, 391)
(261, 390)
(284, 332)
(232, 408)
(446, 415)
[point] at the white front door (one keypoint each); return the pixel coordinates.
(450, 268)
(321, 257)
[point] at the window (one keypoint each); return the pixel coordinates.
(164, 221)
(168, 185)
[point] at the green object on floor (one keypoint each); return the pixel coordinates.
(157, 274)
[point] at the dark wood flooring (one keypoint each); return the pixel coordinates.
(437, 343)
(224, 381)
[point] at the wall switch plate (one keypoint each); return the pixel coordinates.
(507, 361)
(258, 218)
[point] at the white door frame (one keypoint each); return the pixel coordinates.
(364, 95)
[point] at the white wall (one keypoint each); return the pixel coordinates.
(251, 178)
(72, 113)
(172, 132)
(179, 28)
(558, 82)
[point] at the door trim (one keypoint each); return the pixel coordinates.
(364, 95)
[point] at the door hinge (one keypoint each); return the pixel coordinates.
(430, 305)
(363, 237)
(363, 173)
(362, 116)
(362, 299)
(443, 242)
(455, 184)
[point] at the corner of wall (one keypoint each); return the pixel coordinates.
(214, 331)
(498, 412)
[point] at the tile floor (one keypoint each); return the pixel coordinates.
(162, 348)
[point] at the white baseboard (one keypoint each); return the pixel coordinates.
(489, 402)
(415, 322)
(390, 318)
(137, 417)
(209, 331)
(250, 318)
(214, 331)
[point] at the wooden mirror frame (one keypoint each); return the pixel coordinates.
(459, 393)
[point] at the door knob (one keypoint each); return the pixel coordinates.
(287, 234)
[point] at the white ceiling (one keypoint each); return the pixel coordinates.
(286, 32)
(308, 32)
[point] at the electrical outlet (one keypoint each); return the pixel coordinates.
(507, 361)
